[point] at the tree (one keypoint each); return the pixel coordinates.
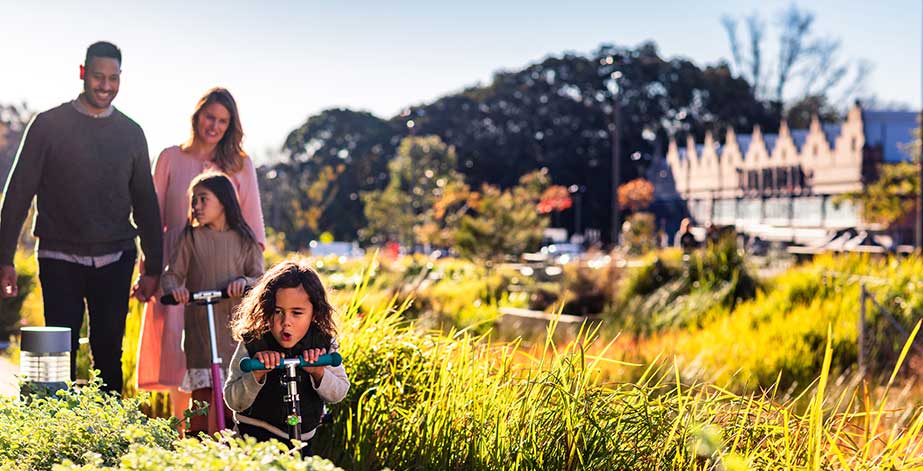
(636, 195)
(806, 61)
(555, 198)
(405, 211)
(329, 161)
(556, 114)
(799, 114)
(13, 122)
(454, 203)
(553, 114)
(503, 222)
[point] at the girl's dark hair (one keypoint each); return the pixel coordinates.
(253, 317)
(221, 186)
(229, 155)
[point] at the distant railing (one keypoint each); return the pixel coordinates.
(894, 325)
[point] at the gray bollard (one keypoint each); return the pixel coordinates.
(44, 359)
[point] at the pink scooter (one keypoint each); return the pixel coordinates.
(209, 299)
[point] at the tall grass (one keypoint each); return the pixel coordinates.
(427, 400)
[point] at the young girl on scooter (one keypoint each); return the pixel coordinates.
(286, 315)
(217, 251)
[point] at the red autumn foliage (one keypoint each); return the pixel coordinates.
(636, 195)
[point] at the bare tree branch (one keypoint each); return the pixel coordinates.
(730, 27)
(857, 85)
(796, 26)
(756, 28)
(819, 66)
(810, 63)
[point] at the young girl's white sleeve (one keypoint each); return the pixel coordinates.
(335, 384)
(241, 388)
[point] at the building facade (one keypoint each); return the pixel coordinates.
(781, 186)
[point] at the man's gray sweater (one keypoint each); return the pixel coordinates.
(91, 176)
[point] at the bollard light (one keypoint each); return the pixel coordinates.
(44, 359)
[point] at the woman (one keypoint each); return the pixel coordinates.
(215, 145)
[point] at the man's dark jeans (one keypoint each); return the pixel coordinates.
(70, 288)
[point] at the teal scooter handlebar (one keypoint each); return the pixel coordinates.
(329, 359)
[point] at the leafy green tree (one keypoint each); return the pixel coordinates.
(330, 161)
(557, 114)
(405, 211)
(503, 222)
(554, 114)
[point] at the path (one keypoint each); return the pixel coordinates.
(9, 384)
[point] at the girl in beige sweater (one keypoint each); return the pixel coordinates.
(217, 250)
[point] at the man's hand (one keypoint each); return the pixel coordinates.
(145, 287)
(8, 286)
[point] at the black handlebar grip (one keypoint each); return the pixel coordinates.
(169, 300)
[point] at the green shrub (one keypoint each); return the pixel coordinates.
(778, 336)
(40, 432)
(226, 453)
(586, 290)
(639, 233)
(671, 293)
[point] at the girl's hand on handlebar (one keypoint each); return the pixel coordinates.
(236, 288)
(181, 295)
(316, 372)
(269, 358)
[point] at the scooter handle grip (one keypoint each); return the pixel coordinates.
(328, 359)
(199, 296)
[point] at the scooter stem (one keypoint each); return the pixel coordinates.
(209, 299)
(294, 400)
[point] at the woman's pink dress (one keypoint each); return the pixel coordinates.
(161, 361)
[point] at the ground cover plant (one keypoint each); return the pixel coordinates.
(37, 433)
(224, 453)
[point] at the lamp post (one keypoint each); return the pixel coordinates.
(45, 359)
(616, 155)
(577, 191)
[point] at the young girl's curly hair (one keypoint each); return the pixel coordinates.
(253, 317)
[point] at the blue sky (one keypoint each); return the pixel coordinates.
(286, 60)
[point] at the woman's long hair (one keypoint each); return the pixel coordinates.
(221, 186)
(229, 155)
(253, 317)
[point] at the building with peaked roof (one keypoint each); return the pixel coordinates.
(781, 186)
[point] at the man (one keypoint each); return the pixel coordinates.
(87, 165)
